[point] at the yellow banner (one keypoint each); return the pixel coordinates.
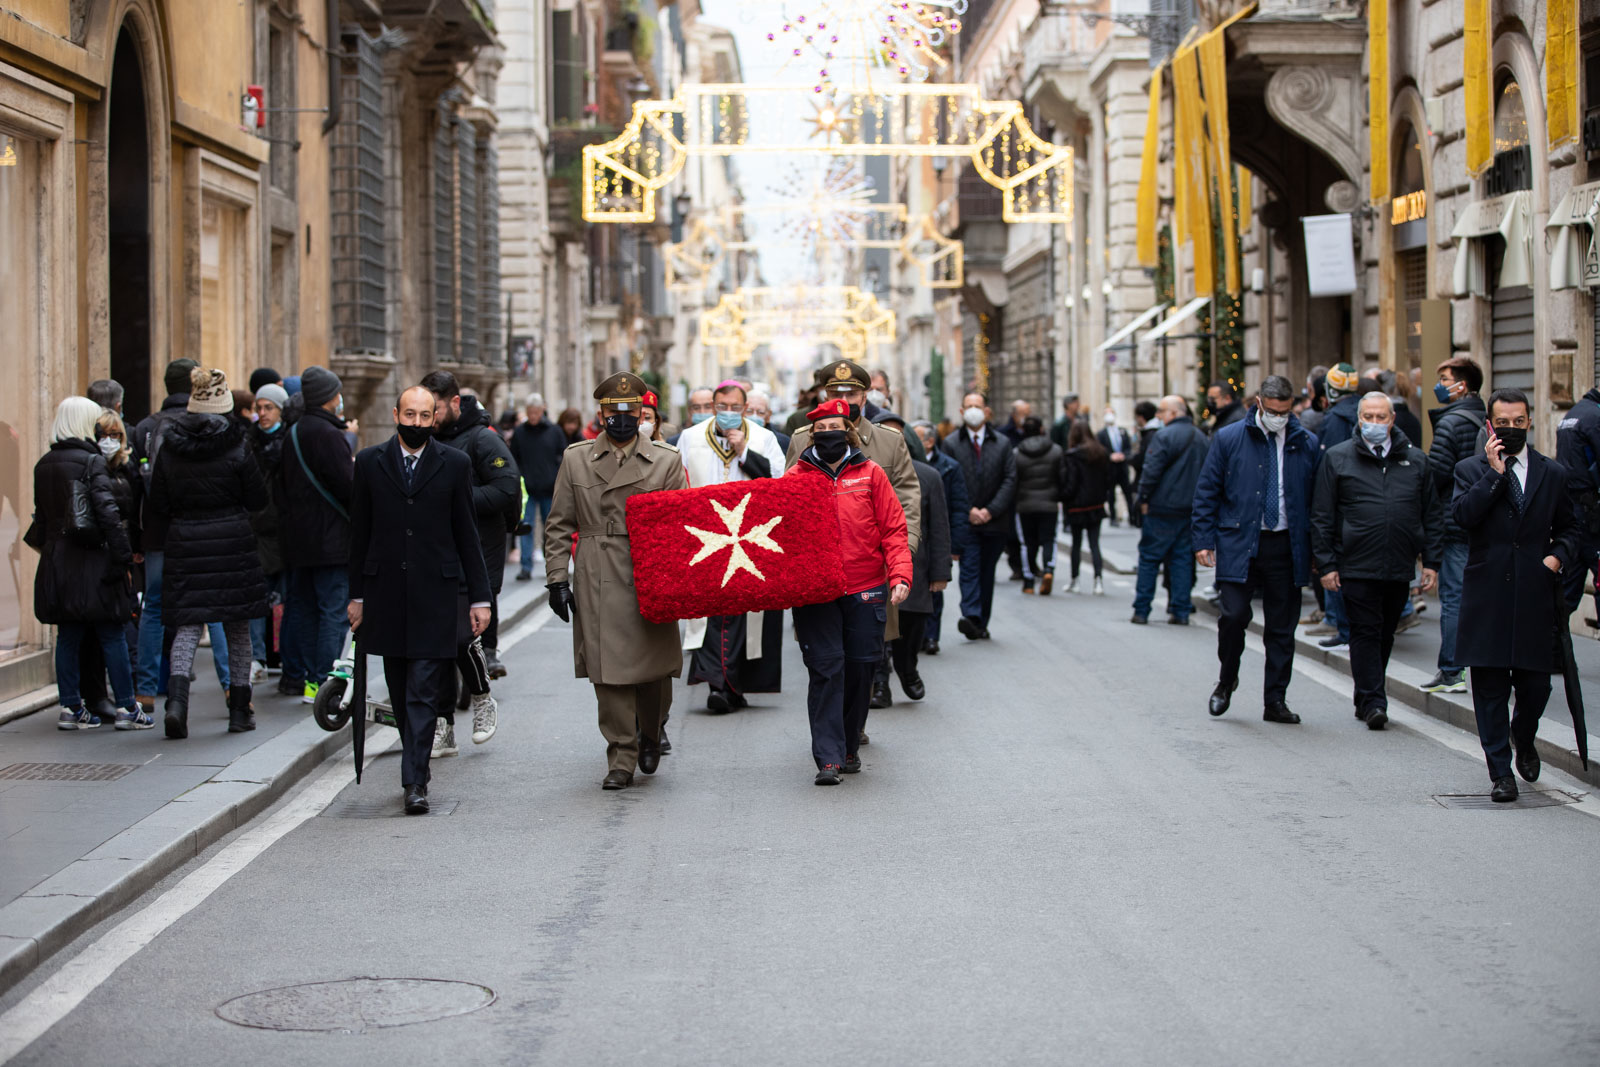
(1378, 96)
(1149, 187)
(1189, 146)
(1247, 208)
(1478, 84)
(1214, 71)
(1561, 71)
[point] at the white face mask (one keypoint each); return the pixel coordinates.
(876, 398)
(1271, 423)
(973, 417)
(1111, 418)
(647, 429)
(109, 446)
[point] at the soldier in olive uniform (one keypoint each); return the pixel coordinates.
(631, 662)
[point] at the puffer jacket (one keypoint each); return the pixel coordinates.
(1371, 518)
(1456, 427)
(1086, 481)
(319, 534)
(496, 483)
(268, 521)
(127, 489)
(872, 524)
(1039, 476)
(75, 583)
(207, 484)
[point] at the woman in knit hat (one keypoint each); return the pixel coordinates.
(208, 483)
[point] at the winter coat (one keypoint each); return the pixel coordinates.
(1406, 422)
(955, 498)
(415, 562)
(886, 447)
(1231, 413)
(1172, 468)
(612, 644)
(991, 483)
(1508, 615)
(1456, 426)
(146, 443)
(931, 561)
(268, 522)
(316, 534)
(496, 483)
(1039, 475)
(1371, 518)
(1084, 487)
(1339, 421)
(872, 525)
(127, 489)
(537, 448)
(75, 583)
(1230, 497)
(207, 483)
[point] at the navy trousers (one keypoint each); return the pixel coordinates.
(841, 642)
(420, 690)
(1497, 726)
(978, 561)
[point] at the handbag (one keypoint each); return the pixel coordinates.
(78, 523)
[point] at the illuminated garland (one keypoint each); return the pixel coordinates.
(899, 36)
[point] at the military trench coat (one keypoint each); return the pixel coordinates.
(612, 644)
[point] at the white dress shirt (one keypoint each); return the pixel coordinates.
(1519, 469)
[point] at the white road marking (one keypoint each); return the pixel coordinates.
(60, 994)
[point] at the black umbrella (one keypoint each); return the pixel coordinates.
(358, 706)
(1569, 671)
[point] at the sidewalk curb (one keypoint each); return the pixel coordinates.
(1404, 685)
(57, 911)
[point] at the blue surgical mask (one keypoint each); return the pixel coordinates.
(1375, 433)
(275, 427)
(1442, 391)
(757, 419)
(696, 418)
(729, 420)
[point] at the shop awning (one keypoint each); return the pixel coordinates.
(1121, 335)
(1176, 319)
(1573, 259)
(1504, 216)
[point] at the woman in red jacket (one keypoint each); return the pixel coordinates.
(842, 640)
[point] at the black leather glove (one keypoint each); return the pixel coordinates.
(562, 602)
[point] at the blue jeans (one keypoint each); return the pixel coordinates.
(1165, 539)
(1334, 615)
(113, 646)
(152, 676)
(540, 504)
(318, 599)
(1452, 574)
(978, 561)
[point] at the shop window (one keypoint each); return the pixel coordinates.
(21, 439)
(1513, 158)
(223, 270)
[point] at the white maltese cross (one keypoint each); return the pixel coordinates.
(738, 559)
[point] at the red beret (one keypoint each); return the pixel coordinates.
(829, 409)
(650, 400)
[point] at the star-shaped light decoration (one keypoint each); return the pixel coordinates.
(832, 120)
(735, 539)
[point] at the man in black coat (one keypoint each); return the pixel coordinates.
(1456, 426)
(1513, 504)
(990, 468)
(1119, 444)
(317, 476)
(1578, 450)
(461, 422)
(418, 585)
(536, 445)
(1222, 400)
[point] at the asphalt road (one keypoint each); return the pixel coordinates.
(1057, 858)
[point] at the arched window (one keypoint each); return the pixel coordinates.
(1513, 159)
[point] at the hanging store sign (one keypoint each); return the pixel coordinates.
(1330, 255)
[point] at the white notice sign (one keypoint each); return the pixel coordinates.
(1330, 255)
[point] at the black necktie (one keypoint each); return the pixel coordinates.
(411, 469)
(1514, 485)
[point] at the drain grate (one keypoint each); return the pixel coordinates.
(356, 1005)
(66, 772)
(1533, 798)
(386, 808)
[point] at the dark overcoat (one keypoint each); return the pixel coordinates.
(415, 560)
(931, 561)
(1508, 595)
(77, 583)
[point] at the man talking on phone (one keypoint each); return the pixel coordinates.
(1521, 532)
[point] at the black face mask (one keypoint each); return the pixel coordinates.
(414, 436)
(855, 413)
(623, 426)
(831, 445)
(1513, 438)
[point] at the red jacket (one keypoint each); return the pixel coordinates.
(872, 524)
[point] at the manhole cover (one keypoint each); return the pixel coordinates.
(386, 808)
(66, 772)
(1533, 798)
(356, 1005)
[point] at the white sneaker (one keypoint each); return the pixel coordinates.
(1072, 586)
(1099, 588)
(444, 739)
(483, 718)
(258, 672)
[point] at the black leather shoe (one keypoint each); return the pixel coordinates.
(617, 780)
(1504, 791)
(1377, 719)
(828, 774)
(881, 697)
(1280, 713)
(737, 700)
(1177, 620)
(417, 800)
(1527, 761)
(863, 740)
(666, 746)
(1361, 713)
(491, 659)
(1222, 696)
(1140, 620)
(649, 760)
(524, 576)
(913, 687)
(969, 628)
(930, 648)
(852, 764)
(718, 702)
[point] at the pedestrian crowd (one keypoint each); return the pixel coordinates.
(247, 519)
